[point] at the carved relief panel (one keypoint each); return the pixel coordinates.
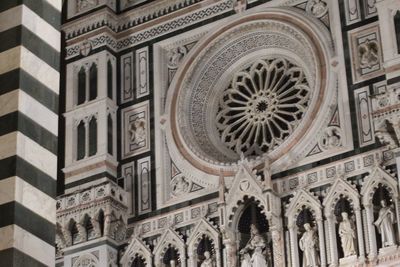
(135, 129)
(366, 53)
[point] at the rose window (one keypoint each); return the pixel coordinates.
(262, 106)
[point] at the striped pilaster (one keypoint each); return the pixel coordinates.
(29, 88)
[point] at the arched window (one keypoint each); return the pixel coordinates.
(109, 80)
(90, 233)
(100, 218)
(93, 136)
(81, 86)
(93, 82)
(74, 232)
(397, 29)
(109, 135)
(138, 262)
(81, 142)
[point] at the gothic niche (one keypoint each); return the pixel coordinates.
(171, 257)
(138, 262)
(308, 239)
(206, 253)
(384, 218)
(262, 106)
(255, 246)
(345, 229)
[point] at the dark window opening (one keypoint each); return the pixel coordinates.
(81, 141)
(93, 82)
(110, 135)
(92, 136)
(81, 86)
(397, 29)
(109, 80)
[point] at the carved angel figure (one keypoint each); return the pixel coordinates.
(308, 243)
(384, 223)
(347, 235)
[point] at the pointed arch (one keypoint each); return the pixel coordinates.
(81, 141)
(338, 189)
(246, 185)
(169, 238)
(301, 199)
(92, 136)
(136, 248)
(93, 82)
(203, 228)
(81, 86)
(378, 176)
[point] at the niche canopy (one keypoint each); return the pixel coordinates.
(256, 86)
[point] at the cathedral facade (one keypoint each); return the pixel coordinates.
(223, 133)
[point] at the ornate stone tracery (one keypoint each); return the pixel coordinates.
(262, 106)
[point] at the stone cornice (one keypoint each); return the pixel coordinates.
(154, 11)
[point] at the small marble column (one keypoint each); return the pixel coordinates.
(396, 206)
(360, 235)
(332, 237)
(321, 238)
(371, 233)
(278, 246)
(294, 245)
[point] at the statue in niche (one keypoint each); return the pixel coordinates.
(208, 261)
(179, 185)
(384, 223)
(368, 54)
(308, 244)
(347, 235)
(172, 263)
(257, 244)
(137, 131)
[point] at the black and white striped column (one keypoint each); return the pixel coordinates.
(29, 88)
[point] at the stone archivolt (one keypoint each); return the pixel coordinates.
(252, 87)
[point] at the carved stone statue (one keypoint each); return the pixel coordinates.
(257, 245)
(172, 263)
(246, 260)
(208, 261)
(308, 243)
(347, 235)
(384, 223)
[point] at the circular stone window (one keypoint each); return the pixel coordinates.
(258, 85)
(262, 106)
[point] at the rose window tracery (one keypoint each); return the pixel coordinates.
(262, 106)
